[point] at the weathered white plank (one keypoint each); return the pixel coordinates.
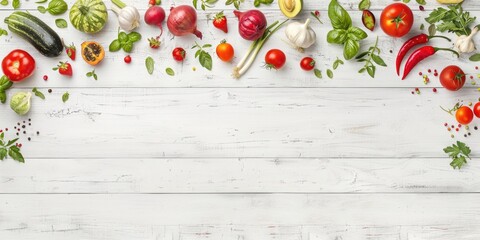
(256, 175)
(270, 216)
(113, 72)
(327, 122)
(309, 5)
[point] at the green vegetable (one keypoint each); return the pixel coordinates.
(4, 2)
(475, 57)
(55, 7)
(170, 72)
(92, 74)
(205, 4)
(61, 23)
(65, 97)
(8, 148)
(41, 1)
(336, 63)
(5, 84)
(150, 65)
(38, 93)
(318, 73)
(329, 73)
(236, 3)
(89, 16)
(36, 32)
(20, 102)
(343, 32)
(459, 153)
(454, 19)
(203, 57)
(257, 3)
(369, 57)
(364, 5)
(124, 41)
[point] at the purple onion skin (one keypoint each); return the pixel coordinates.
(183, 21)
(251, 24)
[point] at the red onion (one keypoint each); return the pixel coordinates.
(155, 15)
(251, 24)
(182, 21)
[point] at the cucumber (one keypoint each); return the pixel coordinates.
(36, 32)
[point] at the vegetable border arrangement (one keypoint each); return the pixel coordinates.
(447, 23)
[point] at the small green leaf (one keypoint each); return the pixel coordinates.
(3, 153)
(4, 2)
(378, 60)
(14, 153)
(205, 60)
(41, 9)
(115, 46)
(65, 97)
(475, 57)
(170, 72)
(61, 23)
(41, 1)
(194, 3)
(329, 73)
(38, 93)
(432, 30)
(364, 5)
(150, 65)
(134, 37)
(318, 73)
(421, 2)
(422, 26)
(16, 4)
(371, 71)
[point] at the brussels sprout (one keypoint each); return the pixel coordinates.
(20, 102)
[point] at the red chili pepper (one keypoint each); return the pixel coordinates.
(409, 44)
(419, 55)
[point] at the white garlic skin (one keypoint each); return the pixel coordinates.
(465, 44)
(300, 35)
(129, 18)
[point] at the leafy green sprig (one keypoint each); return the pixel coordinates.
(203, 56)
(459, 153)
(370, 57)
(8, 148)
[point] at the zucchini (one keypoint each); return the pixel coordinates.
(36, 32)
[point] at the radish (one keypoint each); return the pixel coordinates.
(155, 15)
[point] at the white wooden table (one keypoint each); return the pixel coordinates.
(275, 155)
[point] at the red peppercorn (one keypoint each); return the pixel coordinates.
(476, 68)
(435, 74)
(446, 124)
(420, 73)
(429, 70)
(471, 77)
(456, 129)
(127, 58)
(459, 125)
(434, 90)
(45, 77)
(317, 13)
(421, 8)
(413, 92)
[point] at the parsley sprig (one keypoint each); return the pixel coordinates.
(459, 153)
(454, 19)
(7, 148)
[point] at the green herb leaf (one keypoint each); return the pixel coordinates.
(356, 33)
(5, 83)
(57, 7)
(371, 70)
(134, 37)
(350, 49)
(364, 5)
(41, 1)
(339, 17)
(61, 23)
(475, 57)
(14, 153)
(459, 153)
(3, 32)
(454, 19)
(329, 73)
(3, 153)
(406, 1)
(194, 3)
(16, 4)
(318, 73)
(422, 26)
(338, 36)
(432, 30)
(336, 63)
(65, 97)
(150, 65)
(38, 93)
(41, 9)
(122, 37)
(170, 72)
(378, 60)
(205, 60)
(3, 97)
(128, 47)
(4, 2)
(421, 2)
(115, 46)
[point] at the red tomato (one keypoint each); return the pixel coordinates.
(464, 115)
(178, 54)
(452, 78)
(307, 64)
(476, 110)
(275, 59)
(396, 20)
(18, 65)
(225, 51)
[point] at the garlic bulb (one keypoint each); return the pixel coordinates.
(465, 44)
(128, 17)
(300, 35)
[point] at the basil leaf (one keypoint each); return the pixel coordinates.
(5, 83)
(318, 73)
(421, 2)
(4, 2)
(38, 93)
(364, 5)
(378, 60)
(150, 64)
(3, 97)
(16, 4)
(3, 153)
(338, 36)
(134, 37)
(339, 17)
(432, 30)
(356, 33)
(122, 37)
(14, 153)
(3, 32)
(114, 46)
(128, 47)
(475, 57)
(205, 60)
(65, 97)
(57, 7)
(170, 72)
(329, 73)
(350, 49)
(371, 71)
(41, 9)
(41, 1)
(61, 23)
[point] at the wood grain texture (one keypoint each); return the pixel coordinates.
(231, 175)
(327, 122)
(270, 216)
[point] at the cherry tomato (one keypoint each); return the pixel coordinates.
(476, 110)
(275, 59)
(307, 64)
(178, 54)
(452, 78)
(225, 51)
(396, 20)
(18, 65)
(464, 115)
(127, 59)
